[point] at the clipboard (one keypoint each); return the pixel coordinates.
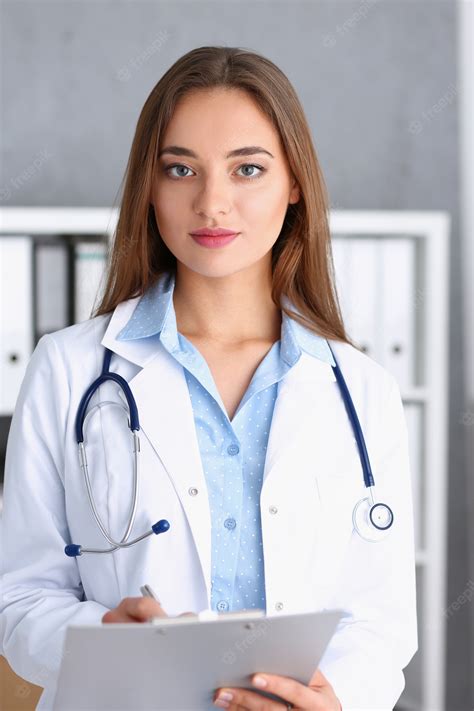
(176, 664)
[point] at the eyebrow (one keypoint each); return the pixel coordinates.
(245, 151)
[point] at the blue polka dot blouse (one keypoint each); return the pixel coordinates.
(232, 451)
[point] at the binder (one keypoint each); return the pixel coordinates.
(398, 299)
(357, 267)
(89, 265)
(52, 288)
(16, 316)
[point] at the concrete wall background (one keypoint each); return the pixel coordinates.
(75, 74)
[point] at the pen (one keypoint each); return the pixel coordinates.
(147, 591)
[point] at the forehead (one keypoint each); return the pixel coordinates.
(216, 121)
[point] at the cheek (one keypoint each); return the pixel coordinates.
(262, 219)
(264, 206)
(165, 205)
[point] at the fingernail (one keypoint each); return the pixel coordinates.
(259, 681)
(223, 699)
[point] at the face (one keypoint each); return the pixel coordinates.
(247, 193)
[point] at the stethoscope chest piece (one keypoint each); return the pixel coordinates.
(372, 521)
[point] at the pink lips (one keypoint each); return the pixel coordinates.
(213, 232)
(208, 237)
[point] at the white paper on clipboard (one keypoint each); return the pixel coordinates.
(171, 667)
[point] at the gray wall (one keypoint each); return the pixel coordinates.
(371, 75)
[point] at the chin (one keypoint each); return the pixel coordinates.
(214, 268)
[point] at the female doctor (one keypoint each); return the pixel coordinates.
(220, 314)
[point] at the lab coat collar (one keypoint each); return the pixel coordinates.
(153, 316)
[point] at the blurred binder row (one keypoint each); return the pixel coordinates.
(45, 284)
(380, 287)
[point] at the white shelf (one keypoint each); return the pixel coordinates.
(423, 385)
(415, 395)
(421, 557)
(58, 220)
(412, 299)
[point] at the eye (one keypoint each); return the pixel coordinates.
(253, 165)
(176, 165)
(169, 168)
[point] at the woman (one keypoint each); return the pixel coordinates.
(229, 345)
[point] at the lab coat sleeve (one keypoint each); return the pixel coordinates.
(41, 590)
(376, 586)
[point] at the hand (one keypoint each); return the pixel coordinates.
(317, 696)
(137, 609)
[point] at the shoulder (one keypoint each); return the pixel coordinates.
(62, 359)
(364, 374)
(78, 339)
(376, 396)
(88, 331)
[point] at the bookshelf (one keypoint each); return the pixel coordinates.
(391, 272)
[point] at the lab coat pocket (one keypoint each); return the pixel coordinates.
(338, 490)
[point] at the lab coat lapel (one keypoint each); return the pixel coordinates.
(301, 410)
(300, 454)
(166, 419)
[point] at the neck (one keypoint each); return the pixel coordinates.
(227, 310)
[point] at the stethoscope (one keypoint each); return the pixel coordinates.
(371, 519)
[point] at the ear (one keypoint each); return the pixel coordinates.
(295, 193)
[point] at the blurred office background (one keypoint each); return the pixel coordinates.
(387, 86)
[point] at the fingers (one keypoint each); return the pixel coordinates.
(318, 679)
(134, 609)
(317, 698)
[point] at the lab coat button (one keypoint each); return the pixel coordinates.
(192, 491)
(273, 509)
(279, 606)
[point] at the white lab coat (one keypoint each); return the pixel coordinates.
(313, 558)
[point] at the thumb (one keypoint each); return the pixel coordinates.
(318, 679)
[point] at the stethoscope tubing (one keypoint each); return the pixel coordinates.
(134, 425)
(351, 411)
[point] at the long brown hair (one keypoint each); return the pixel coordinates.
(302, 264)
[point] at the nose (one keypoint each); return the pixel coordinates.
(213, 198)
